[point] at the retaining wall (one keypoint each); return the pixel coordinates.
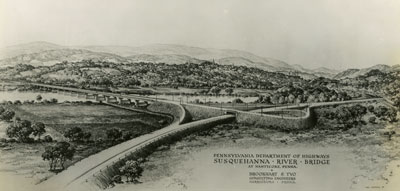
(286, 123)
(198, 112)
(281, 123)
(177, 111)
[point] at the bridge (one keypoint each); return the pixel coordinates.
(108, 97)
(88, 170)
(94, 171)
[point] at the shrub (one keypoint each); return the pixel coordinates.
(48, 139)
(58, 154)
(132, 170)
(53, 100)
(114, 134)
(116, 179)
(371, 108)
(7, 115)
(372, 120)
(128, 136)
(76, 134)
(20, 130)
(237, 100)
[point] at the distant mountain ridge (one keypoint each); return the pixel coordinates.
(44, 53)
(51, 57)
(27, 48)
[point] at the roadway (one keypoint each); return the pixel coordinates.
(75, 175)
(80, 172)
(317, 104)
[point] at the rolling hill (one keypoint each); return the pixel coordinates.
(44, 53)
(225, 56)
(51, 57)
(28, 48)
(353, 73)
(166, 58)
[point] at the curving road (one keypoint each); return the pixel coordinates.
(72, 177)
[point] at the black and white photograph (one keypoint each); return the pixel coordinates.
(200, 95)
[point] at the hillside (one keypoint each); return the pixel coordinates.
(166, 58)
(28, 48)
(43, 53)
(353, 73)
(313, 73)
(240, 61)
(225, 56)
(51, 57)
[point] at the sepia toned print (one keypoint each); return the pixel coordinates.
(199, 95)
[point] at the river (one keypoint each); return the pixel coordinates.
(29, 95)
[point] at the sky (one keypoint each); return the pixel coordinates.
(337, 34)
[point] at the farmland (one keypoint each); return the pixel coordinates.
(58, 118)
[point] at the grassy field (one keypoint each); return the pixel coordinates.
(95, 118)
(25, 159)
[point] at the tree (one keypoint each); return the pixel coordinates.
(215, 90)
(381, 111)
(114, 134)
(38, 129)
(310, 99)
(86, 136)
(7, 115)
(39, 97)
(372, 120)
(229, 91)
(58, 154)
(237, 100)
(343, 114)
(53, 100)
(274, 99)
(20, 130)
(281, 100)
(350, 116)
(48, 138)
(132, 170)
(358, 111)
(370, 108)
(391, 115)
(291, 98)
(322, 97)
(74, 134)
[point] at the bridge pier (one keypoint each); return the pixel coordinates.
(110, 99)
(136, 102)
(123, 101)
(100, 98)
(91, 96)
(81, 95)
